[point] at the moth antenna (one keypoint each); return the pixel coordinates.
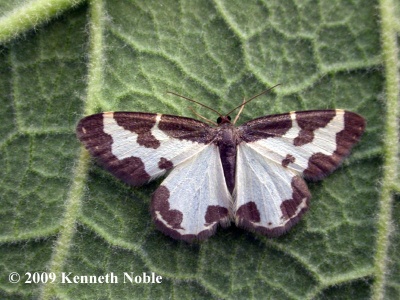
(202, 117)
(240, 111)
(252, 98)
(194, 101)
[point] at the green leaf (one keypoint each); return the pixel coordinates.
(61, 212)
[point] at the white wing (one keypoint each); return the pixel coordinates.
(269, 198)
(138, 147)
(275, 151)
(194, 198)
(311, 143)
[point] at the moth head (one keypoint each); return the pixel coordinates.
(223, 120)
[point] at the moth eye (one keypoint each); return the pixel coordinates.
(229, 118)
(219, 120)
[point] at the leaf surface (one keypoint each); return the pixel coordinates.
(61, 212)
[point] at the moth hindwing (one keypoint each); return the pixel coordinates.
(252, 174)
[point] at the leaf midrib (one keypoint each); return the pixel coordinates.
(391, 146)
(75, 195)
(389, 28)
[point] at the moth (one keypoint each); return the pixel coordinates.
(252, 174)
